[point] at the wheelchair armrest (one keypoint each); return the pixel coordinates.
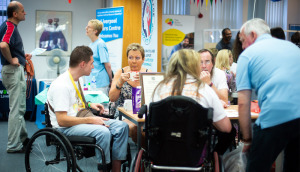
(142, 111)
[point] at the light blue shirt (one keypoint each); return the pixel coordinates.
(100, 54)
(270, 66)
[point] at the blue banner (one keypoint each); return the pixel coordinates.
(112, 19)
(112, 33)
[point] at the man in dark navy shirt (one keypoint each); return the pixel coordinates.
(226, 42)
(13, 63)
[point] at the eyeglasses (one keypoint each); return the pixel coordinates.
(207, 62)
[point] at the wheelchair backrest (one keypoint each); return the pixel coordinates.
(47, 116)
(178, 128)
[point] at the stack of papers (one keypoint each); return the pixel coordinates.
(232, 113)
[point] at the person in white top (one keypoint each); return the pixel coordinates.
(212, 76)
(183, 70)
(64, 100)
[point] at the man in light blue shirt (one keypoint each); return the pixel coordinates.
(102, 71)
(270, 67)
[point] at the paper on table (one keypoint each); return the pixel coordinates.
(38, 51)
(235, 113)
(232, 113)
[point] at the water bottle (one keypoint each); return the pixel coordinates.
(93, 84)
(85, 88)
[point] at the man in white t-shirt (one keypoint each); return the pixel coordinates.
(65, 102)
(212, 76)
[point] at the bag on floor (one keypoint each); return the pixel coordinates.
(235, 161)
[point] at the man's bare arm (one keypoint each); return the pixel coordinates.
(108, 70)
(7, 54)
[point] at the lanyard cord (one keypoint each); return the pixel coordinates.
(79, 95)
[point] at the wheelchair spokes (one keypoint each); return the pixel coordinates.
(40, 156)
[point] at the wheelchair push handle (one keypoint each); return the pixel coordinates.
(142, 111)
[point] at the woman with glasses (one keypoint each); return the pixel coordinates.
(121, 87)
(122, 83)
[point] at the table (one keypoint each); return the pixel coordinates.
(30, 106)
(136, 120)
(231, 112)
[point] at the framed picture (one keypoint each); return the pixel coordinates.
(149, 81)
(53, 31)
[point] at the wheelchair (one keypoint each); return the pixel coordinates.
(179, 136)
(50, 150)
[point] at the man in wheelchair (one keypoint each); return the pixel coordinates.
(66, 108)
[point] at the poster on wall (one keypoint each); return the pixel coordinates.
(149, 33)
(112, 33)
(178, 33)
(53, 31)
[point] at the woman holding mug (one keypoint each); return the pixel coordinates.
(127, 77)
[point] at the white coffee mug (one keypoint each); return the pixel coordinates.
(128, 105)
(132, 74)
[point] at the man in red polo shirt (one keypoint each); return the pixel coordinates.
(13, 63)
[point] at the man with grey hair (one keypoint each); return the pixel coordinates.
(266, 67)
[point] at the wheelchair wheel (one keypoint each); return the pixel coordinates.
(46, 151)
(139, 165)
(84, 162)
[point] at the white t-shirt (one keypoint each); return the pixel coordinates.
(233, 67)
(219, 79)
(207, 96)
(62, 96)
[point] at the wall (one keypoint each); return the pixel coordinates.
(293, 16)
(133, 26)
(82, 12)
(200, 25)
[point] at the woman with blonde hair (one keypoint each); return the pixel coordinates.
(223, 62)
(183, 78)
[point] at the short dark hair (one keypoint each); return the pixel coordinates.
(278, 32)
(12, 7)
(79, 54)
(224, 30)
(296, 38)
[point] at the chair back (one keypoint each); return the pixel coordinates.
(178, 129)
(47, 116)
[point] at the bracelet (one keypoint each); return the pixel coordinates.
(89, 104)
(211, 84)
(117, 87)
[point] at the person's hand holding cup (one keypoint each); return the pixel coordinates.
(134, 76)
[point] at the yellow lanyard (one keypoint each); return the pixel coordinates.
(79, 95)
